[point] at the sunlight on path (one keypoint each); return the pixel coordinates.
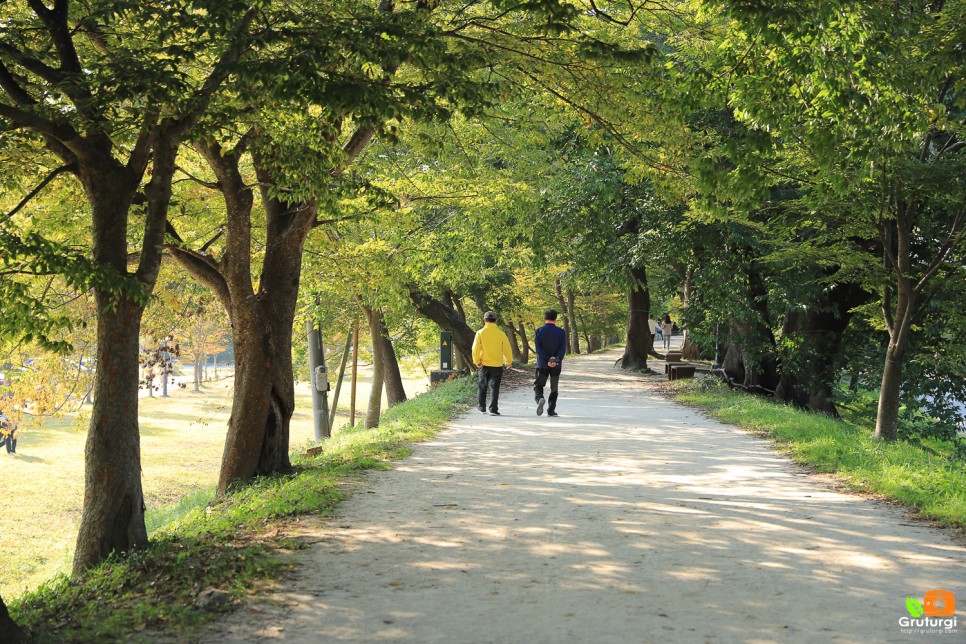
(627, 519)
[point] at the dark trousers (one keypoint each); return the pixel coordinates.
(10, 441)
(490, 379)
(542, 374)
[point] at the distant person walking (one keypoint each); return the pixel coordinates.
(8, 429)
(652, 329)
(491, 353)
(667, 329)
(551, 344)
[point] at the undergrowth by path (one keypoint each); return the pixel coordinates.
(927, 475)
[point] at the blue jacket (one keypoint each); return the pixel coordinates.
(550, 341)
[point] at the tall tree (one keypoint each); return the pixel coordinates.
(106, 89)
(871, 99)
(353, 71)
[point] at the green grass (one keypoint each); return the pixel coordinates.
(182, 441)
(232, 544)
(926, 476)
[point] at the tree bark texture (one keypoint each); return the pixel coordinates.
(638, 336)
(262, 320)
(887, 412)
(809, 374)
(690, 350)
(572, 317)
(511, 333)
(448, 318)
(750, 360)
(374, 411)
(564, 315)
(10, 632)
(899, 324)
(524, 344)
(395, 392)
(112, 519)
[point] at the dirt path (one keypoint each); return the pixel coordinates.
(626, 519)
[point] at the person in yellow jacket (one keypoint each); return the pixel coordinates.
(491, 352)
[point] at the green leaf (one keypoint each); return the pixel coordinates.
(914, 607)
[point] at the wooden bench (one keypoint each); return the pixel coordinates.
(680, 371)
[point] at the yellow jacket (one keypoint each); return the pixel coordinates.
(491, 347)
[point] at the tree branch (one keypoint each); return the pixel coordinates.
(214, 185)
(219, 73)
(33, 193)
(31, 64)
(13, 89)
(354, 147)
(204, 268)
(953, 239)
(30, 120)
(204, 247)
(137, 162)
(56, 22)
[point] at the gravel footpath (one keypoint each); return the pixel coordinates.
(626, 519)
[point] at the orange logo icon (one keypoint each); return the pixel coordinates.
(939, 603)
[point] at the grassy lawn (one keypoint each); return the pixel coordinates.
(182, 439)
(927, 475)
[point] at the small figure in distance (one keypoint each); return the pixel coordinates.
(491, 354)
(551, 344)
(8, 428)
(652, 328)
(667, 329)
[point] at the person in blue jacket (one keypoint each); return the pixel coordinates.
(551, 344)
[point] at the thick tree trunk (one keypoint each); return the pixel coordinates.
(808, 375)
(112, 519)
(257, 439)
(887, 414)
(750, 360)
(113, 513)
(199, 371)
(395, 392)
(258, 433)
(733, 365)
(690, 350)
(374, 411)
(264, 397)
(638, 336)
(449, 319)
(511, 333)
(572, 316)
(10, 632)
(900, 322)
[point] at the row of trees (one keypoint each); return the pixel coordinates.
(778, 173)
(264, 105)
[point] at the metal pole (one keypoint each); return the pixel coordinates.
(355, 374)
(338, 382)
(326, 427)
(313, 341)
